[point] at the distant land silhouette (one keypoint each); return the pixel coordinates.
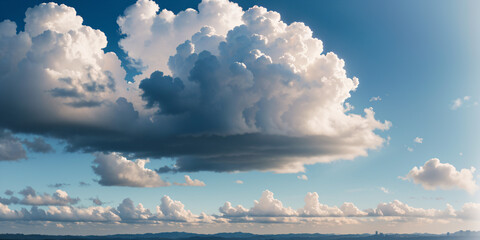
(460, 235)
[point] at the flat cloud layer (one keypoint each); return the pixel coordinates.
(221, 89)
(435, 174)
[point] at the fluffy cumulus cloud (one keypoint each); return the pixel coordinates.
(71, 82)
(30, 197)
(153, 36)
(116, 170)
(10, 147)
(435, 174)
(314, 208)
(191, 182)
(266, 210)
(267, 88)
(269, 209)
(168, 211)
(220, 89)
(400, 209)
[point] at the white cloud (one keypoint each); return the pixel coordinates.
(374, 99)
(152, 38)
(190, 182)
(470, 211)
(457, 103)
(266, 210)
(313, 208)
(58, 198)
(303, 177)
(418, 140)
(30, 197)
(263, 84)
(269, 209)
(397, 208)
(116, 170)
(435, 174)
(126, 212)
(314, 211)
(174, 211)
(384, 190)
(267, 205)
(229, 211)
(239, 182)
(409, 149)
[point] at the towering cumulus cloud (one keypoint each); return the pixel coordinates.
(221, 89)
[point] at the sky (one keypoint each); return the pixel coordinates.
(254, 116)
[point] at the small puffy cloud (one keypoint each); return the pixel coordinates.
(10, 147)
(459, 102)
(409, 149)
(418, 140)
(60, 197)
(374, 99)
(303, 177)
(190, 182)
(116, 170)
(30, 197)
(38, 145)
(384, 190)
(435, 174)
(239, 182)
(97, 201)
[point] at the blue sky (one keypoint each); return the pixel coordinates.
(417, 58)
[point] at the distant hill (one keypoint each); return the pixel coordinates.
(461, 235)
